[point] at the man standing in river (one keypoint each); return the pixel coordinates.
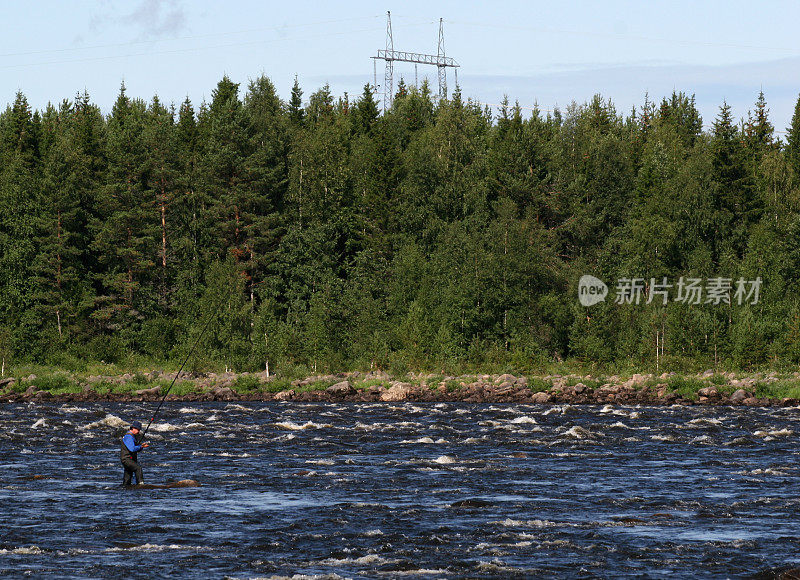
(128, 453)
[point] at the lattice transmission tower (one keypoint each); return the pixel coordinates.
(390, 55)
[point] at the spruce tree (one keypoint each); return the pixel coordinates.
(126, 232)
(296, 111)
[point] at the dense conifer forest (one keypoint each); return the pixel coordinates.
(322, 233)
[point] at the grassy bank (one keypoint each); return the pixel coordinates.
(111, 379)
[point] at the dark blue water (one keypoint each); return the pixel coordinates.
(401, 490)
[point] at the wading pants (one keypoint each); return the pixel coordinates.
(131, 468)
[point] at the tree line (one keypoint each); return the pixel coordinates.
(438, 234)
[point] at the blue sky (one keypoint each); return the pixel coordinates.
(550, 53)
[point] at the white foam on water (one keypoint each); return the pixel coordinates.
(737, 441)
(236, 407)
(295, 427)
(663, 438)
(510, 523)
(110, 421)
(189, 410)
(39, 423)
(620, 425)
(321, 461)
(578, 432)
(705, 421)
(420, 440)
(287, 437)
(373, 559)
(523, 420)
(767, 471)
(620, 412)
(157, 548)
(301, 577)
(73, 552)
(701, 439)
(496, 566)
(213, 418)
(472, 440)
(774, 433)
(194, 426)
(445, 459)
(372, 533)
(418, 572)
(164, 427)
(366, 427)
(23, 551)
(66, 409)
(562, 409)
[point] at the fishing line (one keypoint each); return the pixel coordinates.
(196, 342)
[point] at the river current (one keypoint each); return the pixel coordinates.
(449, 490)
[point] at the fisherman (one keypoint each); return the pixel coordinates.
(131, 445)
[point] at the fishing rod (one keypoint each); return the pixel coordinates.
(196, 342)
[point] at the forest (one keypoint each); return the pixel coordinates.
(325, 234)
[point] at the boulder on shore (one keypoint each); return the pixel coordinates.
(397, 392)
(223, 394)
(340, 389)
(739, 396)
(540, 398)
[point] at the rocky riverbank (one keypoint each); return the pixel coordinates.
(666, 389)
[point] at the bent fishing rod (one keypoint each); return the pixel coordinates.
(196, 342)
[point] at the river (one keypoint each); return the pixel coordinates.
(362, 490)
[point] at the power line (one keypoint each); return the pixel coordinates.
(671, 40)
(390, 55)
(182, 38)
(188, 49)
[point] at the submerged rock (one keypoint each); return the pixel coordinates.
(168, 485)
(471, 503)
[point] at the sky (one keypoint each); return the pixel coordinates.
(548, 54)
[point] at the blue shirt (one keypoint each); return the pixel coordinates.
(130, 443)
